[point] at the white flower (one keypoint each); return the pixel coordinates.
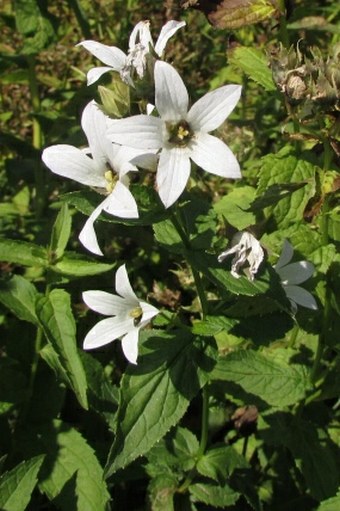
(181, 134)
(128, 313)
(105, 170)
(293, 274)
(140, 43)
(248, 251)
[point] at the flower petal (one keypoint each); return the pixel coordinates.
(214, 156)
(286, 255)
(123, 286)
(149, 312)
(88, 235)
(107, 330)
(171, 96)
(295, 273)
(68, 161)
(121, 202)
(209, 112)
(300, 296)
(93, 123)
(140, 131)
(141, 34)
(96, 72)
(105, 303)
(130, 345)
(168, 30)
(109, 55)
(172, 174)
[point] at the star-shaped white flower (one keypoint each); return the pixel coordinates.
(293, 274)
(181, 133)
(106, 169)
(248, 251)
(140, 43)
(129, 315)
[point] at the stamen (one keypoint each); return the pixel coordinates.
(137, 315)
(111, 179)
(180, 133)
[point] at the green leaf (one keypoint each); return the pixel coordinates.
(71, 475)
(33, 23)
(212, 325)
(167, 235)
(61, 231)
(19, 296)
(16, 485)
(234, 207)
(55, 315)
(214, 495)
(274, 194)
(219, 463)
(254, 64)
(22, 252)
(332, 504)
(270, 377)
(156, 393)
(241, 13)
(13, 384)
(161, 492)
(285, 167)
(75, 265)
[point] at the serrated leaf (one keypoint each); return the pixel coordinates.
(211, 494)
(75, 265)
(55, 315)
(254, 64)
(234, 207)
(218, 463)
(273, 194)
(22, 252)
(16, 485)
(19, 296)
(61, 231)
(33, 24)
(71, 475)
(156, 393)
(212, 325)
(277, 382)
(285, 167)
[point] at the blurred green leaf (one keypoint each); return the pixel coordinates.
(255, 64)
(332, 504)
(19, 296)
(13, 384)
(16, 485)
(61, 231)
(23, 252)
(75, 265)
(234, 207)
(218, 496)
(56, 318)
(219, 463)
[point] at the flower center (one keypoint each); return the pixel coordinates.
(111, 180)
(180, 133)
(137, 315)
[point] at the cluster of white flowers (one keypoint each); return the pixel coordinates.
(170, 134)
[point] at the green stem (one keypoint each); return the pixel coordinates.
(283, 32)
(322, 339)
(81, 18)
(205, 421)
(293, 336)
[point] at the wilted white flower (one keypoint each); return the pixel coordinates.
(129, 315)
(248, 255)
(181, 134)
(292, 274)
(140, 43)
(106, 169)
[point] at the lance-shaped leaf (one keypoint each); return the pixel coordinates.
(16, 485)
(254, 64)
(23, 252)
(19, 296)
(61, 231)
(75, 265)
(156, 393)
(56, 318)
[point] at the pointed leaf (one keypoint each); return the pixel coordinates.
(75, 265)
(16, 485)
(55, 316)
(19, 296)
(61, 231)
(217, 496)
(254, 64)
(22, 252)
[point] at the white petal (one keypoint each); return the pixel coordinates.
(123, 286)
(168, 30)
(295, 273)
(147, 161)
(109, 55)
(93, 123)
(106, 331)
(87, 235)
(149, 312)
(172, 174)
(105, 303)
(141, 34)
(300, 296)
(96, 72)
(214, 156)
(130, 345)
(171, 96)
(68, 161)
(121, 158)
(213, 108)
(121, 202)
(286, 255)
(140, 131)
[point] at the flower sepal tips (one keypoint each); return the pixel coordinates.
(127, 315)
